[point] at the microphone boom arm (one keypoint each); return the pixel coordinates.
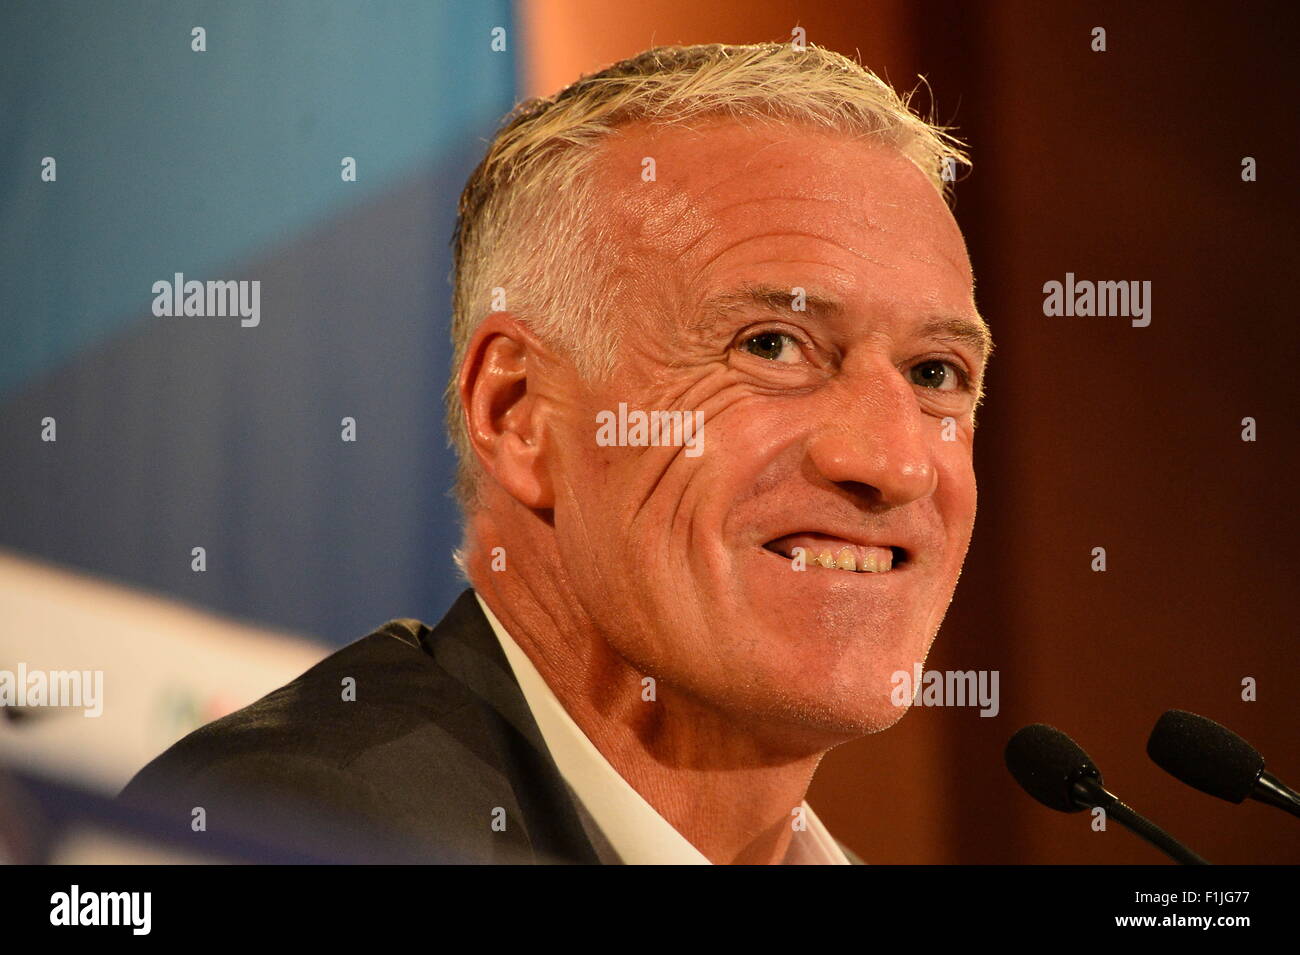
(1089, 792)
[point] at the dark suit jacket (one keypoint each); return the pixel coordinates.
(436, 759)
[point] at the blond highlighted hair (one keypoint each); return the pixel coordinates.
(529, 224)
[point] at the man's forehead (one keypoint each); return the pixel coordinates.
(677, 185)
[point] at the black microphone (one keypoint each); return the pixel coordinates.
(1053, 769)
(1215, 760)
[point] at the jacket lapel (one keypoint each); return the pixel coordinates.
(465, 647)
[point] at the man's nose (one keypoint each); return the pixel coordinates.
(878, 443)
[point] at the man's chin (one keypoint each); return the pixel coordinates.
(820, 722)
(851, 723)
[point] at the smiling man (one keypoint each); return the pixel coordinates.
(666, 632)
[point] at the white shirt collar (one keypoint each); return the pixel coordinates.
(634, 829)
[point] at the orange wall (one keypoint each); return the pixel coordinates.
(563, 39)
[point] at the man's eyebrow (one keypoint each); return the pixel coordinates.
(771, 298)
(974, 334)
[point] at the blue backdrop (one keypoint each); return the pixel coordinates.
(179, 432)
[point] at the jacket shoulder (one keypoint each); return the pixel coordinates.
(376, 742)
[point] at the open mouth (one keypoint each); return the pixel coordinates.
(835, 553)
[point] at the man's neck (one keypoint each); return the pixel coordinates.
(732, 792)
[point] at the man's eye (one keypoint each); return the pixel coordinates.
(939, 375)
(772, 346)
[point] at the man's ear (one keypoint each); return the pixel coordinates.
(503, 415)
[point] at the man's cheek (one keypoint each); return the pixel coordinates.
(955, 500)
(591, 462)
(956, 465)
(752, 428)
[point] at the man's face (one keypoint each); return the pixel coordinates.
(844, 424)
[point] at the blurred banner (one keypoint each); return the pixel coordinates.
(128, 674)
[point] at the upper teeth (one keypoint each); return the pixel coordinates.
(874, 560)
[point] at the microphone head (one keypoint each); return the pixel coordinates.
(1205, 755)
(1047, 764)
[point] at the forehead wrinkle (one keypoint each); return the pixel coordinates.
(841, 215)
(842, 228)
(677, 220)
(831, 200)
(688, 213)
(687, 208)
(779, 234)
(815, 263)
(668, 224)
